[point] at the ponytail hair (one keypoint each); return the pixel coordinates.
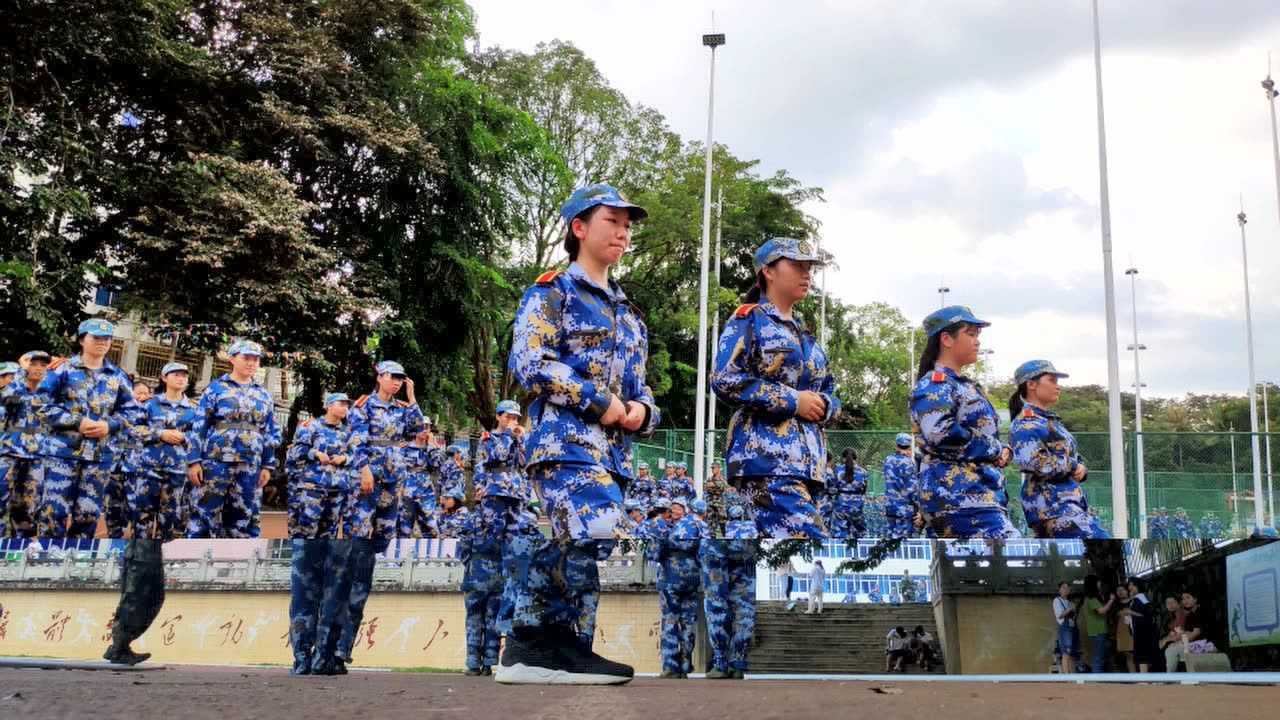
(850, 457)
(758, 290)
(1016, 401)
(929, 358)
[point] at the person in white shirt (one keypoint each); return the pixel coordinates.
(787, 574)
(1064, 612)
(896, 652)
(817, 578)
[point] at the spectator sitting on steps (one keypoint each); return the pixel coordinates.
(922, 647)
(897, 650)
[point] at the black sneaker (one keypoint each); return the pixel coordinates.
(487, 670)
(718, 674)
(472, 672)
(124, 656)
(339, 667)
(737, 674)
(552, 656)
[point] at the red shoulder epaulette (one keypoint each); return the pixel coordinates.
(57, 363)
(1028, 413)
(938, 376)
(362, 400)
(745, 309)
(484, 435)
(304, 423)
(547, 277)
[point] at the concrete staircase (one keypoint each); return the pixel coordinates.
(843, 639)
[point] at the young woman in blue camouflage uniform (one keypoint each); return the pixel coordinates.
(728, 583)
(678, 583)
(1053, 499)
(580, 347)
(500, 481)
(327, 446)
(165, 436)
(900, 508)
(962, 489)
(422, 462)
(771, 369)
(86, 402)
(452, 515)
(643, 488)
(848, 493)
(480, 550)
(120, 502)
(22, 435)
(233, 450)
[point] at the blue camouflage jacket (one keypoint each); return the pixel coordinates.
(575, 346)
(960, 441)
(643, 490)
(1048, 455)
(480, 550)
(420, 464)
(678, 556)
(899, 486)
(320, 437)
(762, 365)
(235, 423)
(22, 430)
(848, 493)
(450, 525)
(160, 414)
(500, 467)
(677, 487)
(71, 393)
(381, 428)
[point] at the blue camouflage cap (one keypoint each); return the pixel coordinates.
(642, 465)
(699, 506)
(1033, 369)
(455, 491)
(392, 367)
(776, 248)
(455, 450)
(34, 355)
(335, 397)
(96, 327)
(174, 367)
(509, 406)
(938, 320)
(661, 503)
(736, 512)
(630, 504)
(245, 347)
(585, 198)
(682, 501)
(9, 368)
(902, 440)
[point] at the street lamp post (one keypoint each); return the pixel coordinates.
(1120, 512)
(715, 339)
(1253, 382)
(1266, 430)
(1140, 459)
(942, 295)
(712, 41)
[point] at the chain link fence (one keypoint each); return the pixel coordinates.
(1196, 483)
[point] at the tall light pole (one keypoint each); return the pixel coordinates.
(1266, 430)
(712, 41)
(942, 295)
(1140, 460)
(1269, 87)
(1120, 511)
(715, 338)
(1253, 381)
(822, 302)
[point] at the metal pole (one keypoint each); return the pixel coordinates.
(715, 339)
(1266, 429)
(1137, 408)
(822, 307)
(1259, 520)
(911, 381)
(700, 398)
(942, 295)
(1269, 86)
(1235, 487)
(1120, 512)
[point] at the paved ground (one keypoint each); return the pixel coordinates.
(195, 693)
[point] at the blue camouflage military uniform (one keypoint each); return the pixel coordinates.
(162, 477)
(848, 493)
(382, 426)
(577, 345)
(419, 498)
(295, 461)
(234, 438)
(451, 524)
(322, 488)
(1052, 500)
(643, 488)
(1182, 528)
(763, 363)
(1211, 527)
(678, 584)
(320, 583)
(22, 434)
(900, 490)
(728, 580)
(76, 468)
(480, 549)
(500, 478)
(679, 485)
(120, 497)
(962, 491)
(1158, 525)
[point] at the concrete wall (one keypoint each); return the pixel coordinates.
(401, 630)
(996, 633)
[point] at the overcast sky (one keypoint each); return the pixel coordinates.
(957, 144)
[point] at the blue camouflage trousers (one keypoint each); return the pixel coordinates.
(71, 499)
(315, 512)
(583, 502)
(21, 480)
(416, 509)
(976, 523)
(226, 504)
(679, 627)
(1074, 523)
(118, 510)
(482, 627)
(729, 603)
(784, 507)
(374, 515)
(320, 585)
(157, 498)
(361, 562)
(846, 523)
